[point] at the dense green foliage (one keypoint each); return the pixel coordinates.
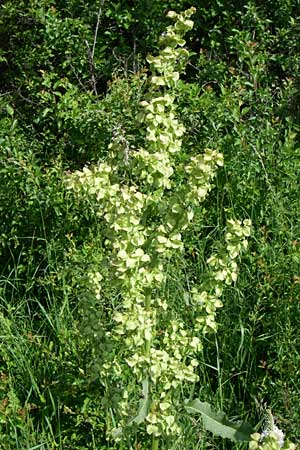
(74, 74)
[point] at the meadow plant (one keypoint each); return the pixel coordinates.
(146, 202)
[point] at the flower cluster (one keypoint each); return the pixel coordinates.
(271, 438)
(202, 170)
(222, 271)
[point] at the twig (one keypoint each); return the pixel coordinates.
(27, 100)
(91, 52)
(135, 63)
(263, 165)
(91, 67)
(75, 73)
(97, 28)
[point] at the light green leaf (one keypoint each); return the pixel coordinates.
(161, 239)
(130, 262)
(122, 254)
(9, 110)
(138, 253)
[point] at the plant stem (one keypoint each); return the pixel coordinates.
(155, 442)
(148, 307)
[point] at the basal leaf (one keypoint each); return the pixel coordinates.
(218, 424)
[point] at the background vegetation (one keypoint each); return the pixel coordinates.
(73, 76)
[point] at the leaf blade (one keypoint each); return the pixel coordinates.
(218, 424)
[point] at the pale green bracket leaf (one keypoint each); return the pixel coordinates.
(218, 424)
(144, 404)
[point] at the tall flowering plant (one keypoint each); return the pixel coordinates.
(153, 349)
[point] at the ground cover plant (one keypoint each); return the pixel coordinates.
(134, 314)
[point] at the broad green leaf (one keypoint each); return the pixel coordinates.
(218, 424)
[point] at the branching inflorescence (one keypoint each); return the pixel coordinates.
(155, 350)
